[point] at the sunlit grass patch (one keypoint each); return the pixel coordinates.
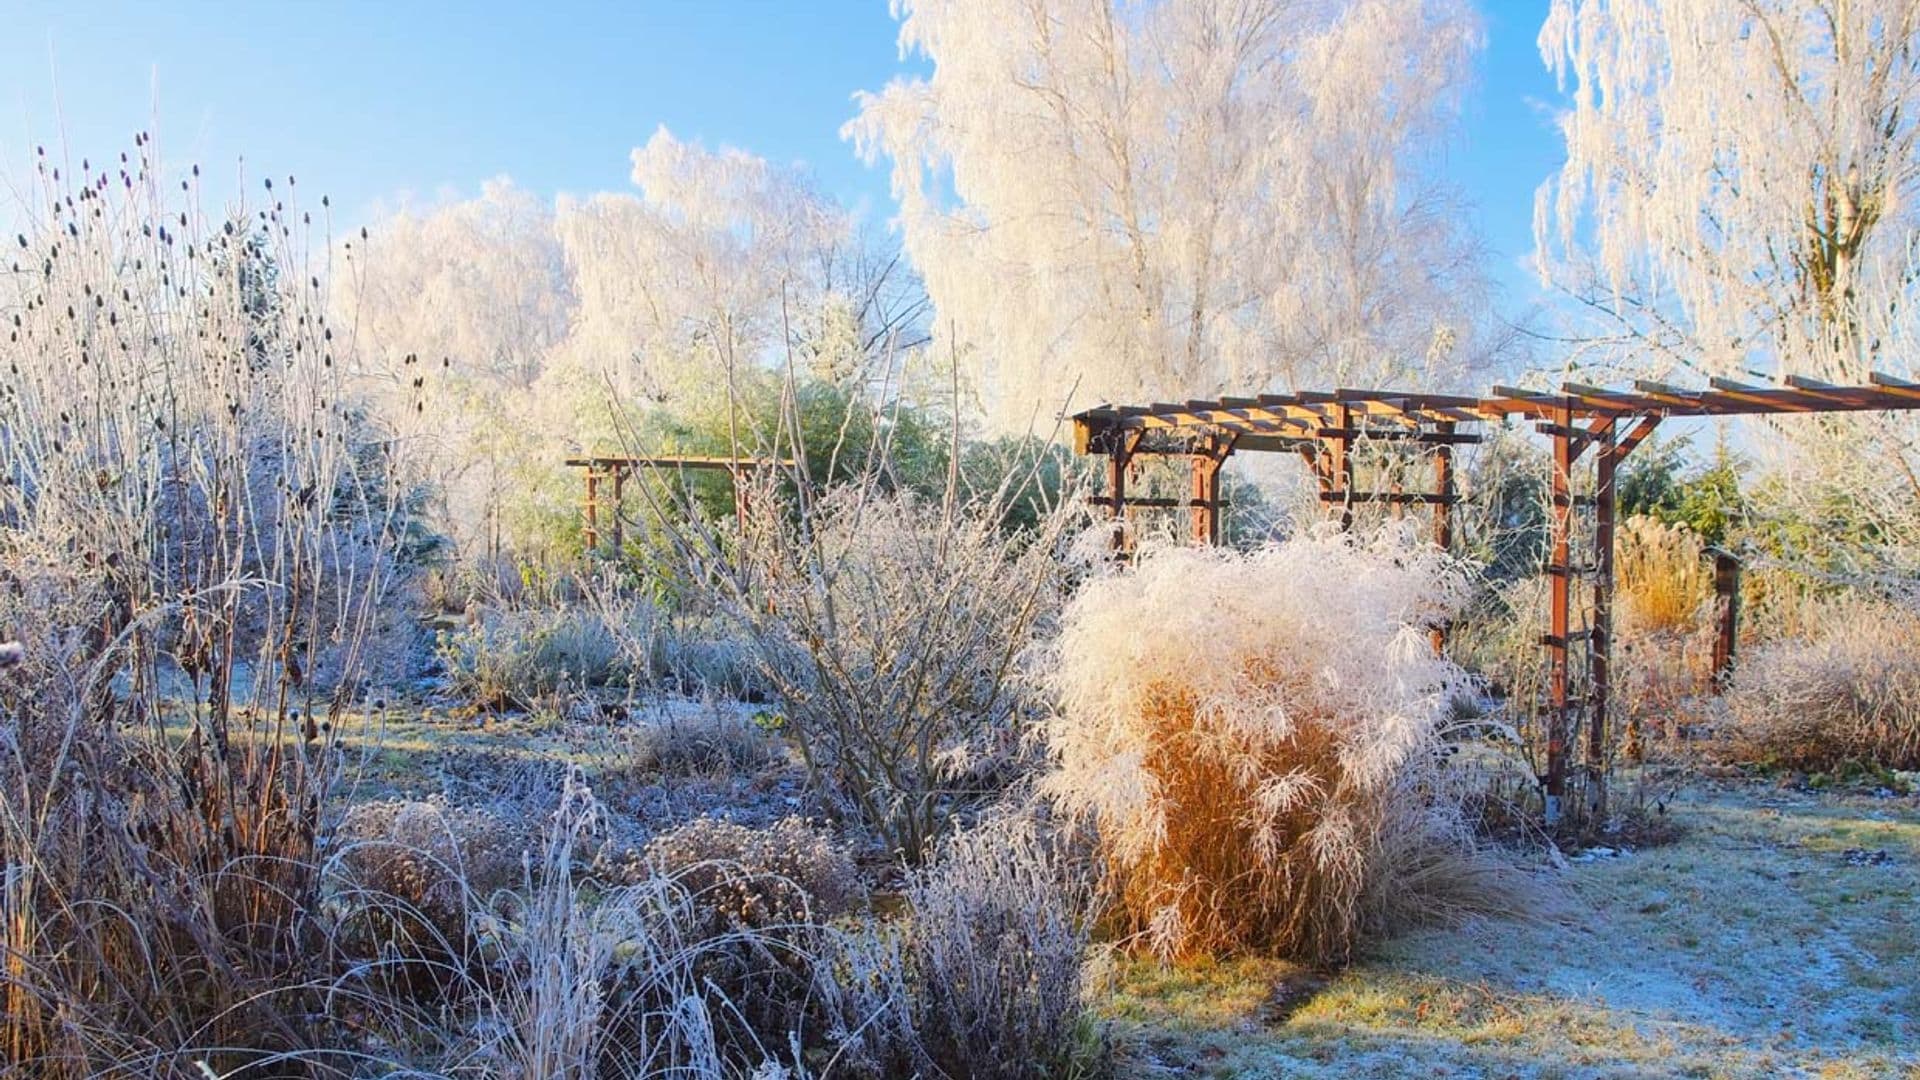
(1198, 994)
(1751, 946)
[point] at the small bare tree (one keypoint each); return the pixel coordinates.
(890, 628)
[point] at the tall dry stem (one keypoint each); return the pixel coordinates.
(196, 525)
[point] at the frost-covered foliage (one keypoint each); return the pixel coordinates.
(470, 298)
(482, 282)
(1256, 738)
(711, 739)
(523, 658)
(1740, 195)
(787, 874)
(983, 976)
(571, 982)
(427, 862)
(542, 328)
(1180, 199)
(1846, 694)
(1740, 186)
(682, 284)
(762, 897)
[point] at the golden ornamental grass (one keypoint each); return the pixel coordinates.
(1662, 579)
(1257, 740)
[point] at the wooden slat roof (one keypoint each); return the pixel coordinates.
(1306, 414)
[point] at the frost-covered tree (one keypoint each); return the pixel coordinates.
(685, 280)
(1183, 197)
(1742, 192)
(478, 282)
(472, 296)
(1742, 187)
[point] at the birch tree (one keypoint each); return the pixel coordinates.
(683, 280)
(472, 297)
(1182, 198)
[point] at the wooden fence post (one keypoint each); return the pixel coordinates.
(1726, 610)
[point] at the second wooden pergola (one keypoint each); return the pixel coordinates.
(607, 475)
(1589, 427)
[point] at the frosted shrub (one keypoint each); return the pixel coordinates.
(787, 874)
(580, 983)
(1247, 731)
(1499, 638)
(982, 976)
(1000, 925)
(521, 659)
(426, 861)
(889, 627)
(1847, 693)
(701, 657)
(758, 898)
(713, 738)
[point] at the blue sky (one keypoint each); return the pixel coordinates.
(372, 101)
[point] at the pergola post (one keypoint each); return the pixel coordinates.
(1726, 605)
(593, 508)
(741, 477)
(1442, 510)
(1205, 464)
(1559, 609)
(1119, 457)
(1205, 500)
(1340, 471)
(619, 475)
(1600, 639)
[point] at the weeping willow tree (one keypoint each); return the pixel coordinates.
(1741, 176)
(1740, 195)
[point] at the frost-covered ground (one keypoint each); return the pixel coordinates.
(1779, 937)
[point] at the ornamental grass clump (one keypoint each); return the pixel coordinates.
(1258, 739)
(1663, 578)
(982, 972)
(1845, 695)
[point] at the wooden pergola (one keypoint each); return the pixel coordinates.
(607, 476)
(1589, 427)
